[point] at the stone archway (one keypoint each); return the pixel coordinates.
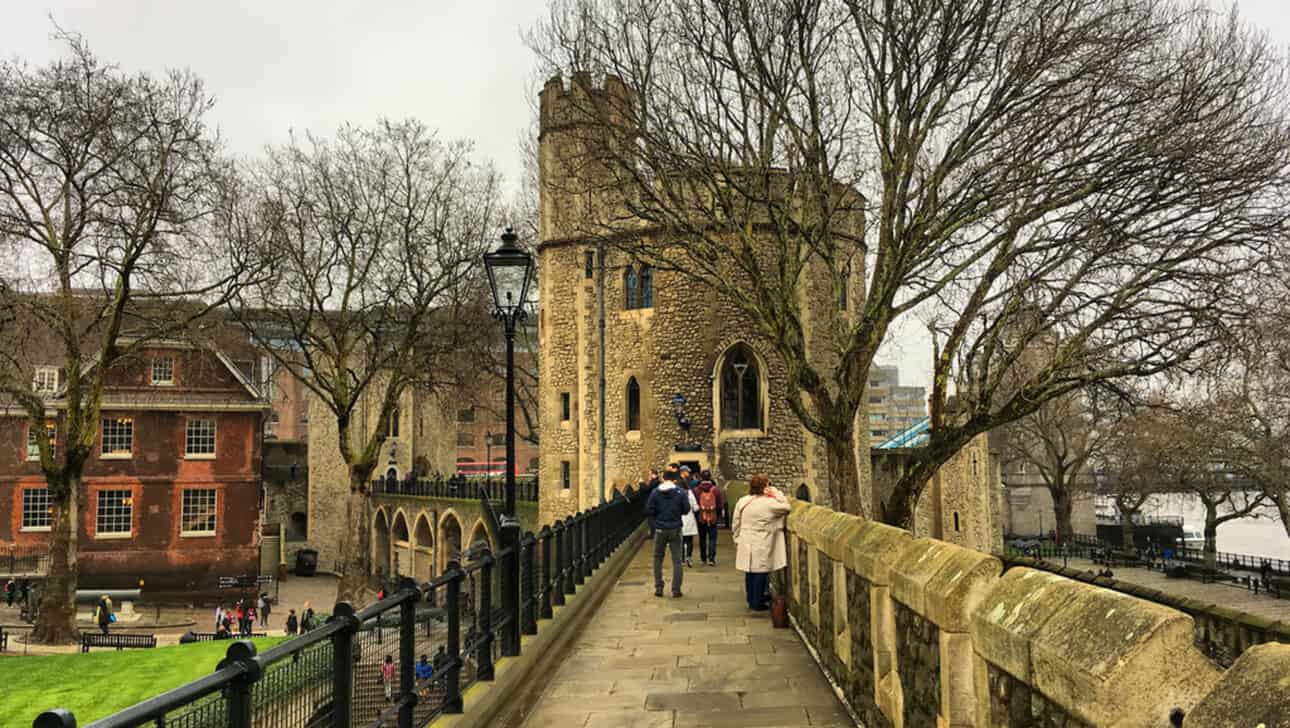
(423, 544)
(380, 544)
(402, 542)
(449, 539)
(480, 533)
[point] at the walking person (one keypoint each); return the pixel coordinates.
(759, 538)
(387, 677)
(263, 607)
(689, 521)
(219, 617)
(10, 591)
(103, 614)
(711, 502)
(293, 624)
(665, 506)
(307, 619)
(249, 623)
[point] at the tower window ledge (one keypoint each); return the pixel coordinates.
(566, 424)
(745, 434)
(636, 314)
(632, 435)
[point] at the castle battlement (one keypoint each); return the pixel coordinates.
(579, 101)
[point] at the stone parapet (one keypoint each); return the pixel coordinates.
(923, 632)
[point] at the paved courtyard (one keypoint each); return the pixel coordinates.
(1226, 594)
(702, 660)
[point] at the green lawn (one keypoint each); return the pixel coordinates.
(102, 682)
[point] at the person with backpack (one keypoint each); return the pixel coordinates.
(711, 502)
(293, 624)
(103, 614)
(10, 591)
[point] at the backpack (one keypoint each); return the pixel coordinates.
(708, 506)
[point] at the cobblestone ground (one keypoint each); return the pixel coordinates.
(701, 660)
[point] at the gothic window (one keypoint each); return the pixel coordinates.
(740, 390)
(630, 288)
(589, 264)
(633, 405)
(392, 429)
(647, 287)
(638, 287)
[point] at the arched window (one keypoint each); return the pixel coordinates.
(647, 287)
(633, 405)
(630, 288)
(393, 430)
(638, 287)
(740, 390)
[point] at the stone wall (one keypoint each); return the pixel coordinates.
(919, 632)
(1222, 633)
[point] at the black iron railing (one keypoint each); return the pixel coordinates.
(459, 486)
(26, 559)
(332, 677)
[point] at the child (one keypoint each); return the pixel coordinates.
(387, 677)
(292, 623)
(425, 673)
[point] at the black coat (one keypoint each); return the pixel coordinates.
(666, 505)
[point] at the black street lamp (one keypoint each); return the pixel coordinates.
(510, 269)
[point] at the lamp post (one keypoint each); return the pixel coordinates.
(510, 269)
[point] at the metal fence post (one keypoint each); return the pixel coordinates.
(407, 660)
(528, 597)
(557, 583)
(484, 618)
(238, 693)
(511, 597)
(342, 655)
(452, 680)
(545, 538)
(579, 546)
(570, 554)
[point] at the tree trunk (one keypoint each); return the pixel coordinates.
(1282, 501)
(898, 509)
(844, 476)
(1211, 537)
(1062, 507)
(1126, 528)
(355, 560)
(56, 623)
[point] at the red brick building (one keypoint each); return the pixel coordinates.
(171, 492)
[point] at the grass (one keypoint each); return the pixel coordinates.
(102, 682)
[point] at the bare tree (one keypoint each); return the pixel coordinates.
(1085, 176)
(1060, 441)
(375, 239)
(108, 184)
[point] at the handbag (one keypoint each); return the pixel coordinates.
(112, 619)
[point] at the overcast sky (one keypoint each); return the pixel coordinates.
(459, 65)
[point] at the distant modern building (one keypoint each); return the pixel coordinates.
(892, 407)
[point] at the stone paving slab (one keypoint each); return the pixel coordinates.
(701, 661)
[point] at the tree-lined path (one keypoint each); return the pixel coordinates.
(702, 660)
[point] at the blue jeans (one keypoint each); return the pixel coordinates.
(708, 542)
(755, 587)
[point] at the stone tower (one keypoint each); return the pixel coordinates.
(673, 352)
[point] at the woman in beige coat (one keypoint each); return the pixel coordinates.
(759, 538)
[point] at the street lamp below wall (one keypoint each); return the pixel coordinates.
(510, 268)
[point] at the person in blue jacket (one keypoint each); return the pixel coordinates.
(666, 505)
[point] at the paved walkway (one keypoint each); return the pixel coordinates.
(1226, 594)
(701, 660)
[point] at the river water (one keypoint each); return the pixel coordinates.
(1261, 536)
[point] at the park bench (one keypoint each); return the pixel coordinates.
(118, 641)
(1123, 558)
(191, 637)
